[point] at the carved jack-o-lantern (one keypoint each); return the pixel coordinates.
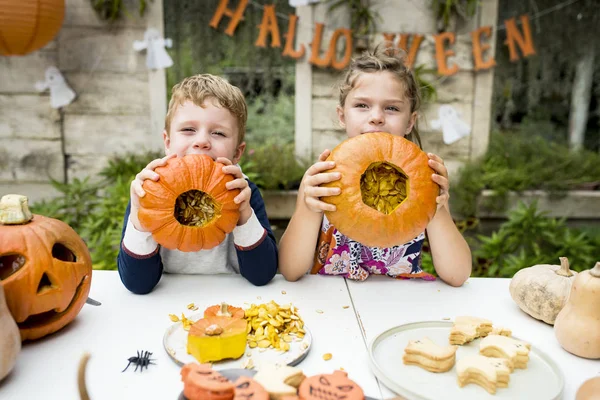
(201, 382)
(45, 268)
(330, 387)
(248, 389)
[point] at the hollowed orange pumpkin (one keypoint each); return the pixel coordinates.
(224, 310)
(387, 196)
(45, 269)
(189, 208)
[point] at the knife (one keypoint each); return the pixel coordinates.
(93, 302)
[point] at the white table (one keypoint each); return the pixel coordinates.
(382, 303)
(125, 323)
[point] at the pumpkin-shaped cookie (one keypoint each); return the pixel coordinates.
(330, 386)
(248, 389)
(387, 195)
(45, 268)
(189, 208)
(201, 382)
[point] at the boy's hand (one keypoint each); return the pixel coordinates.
(313, 178)
(441, 178)
(243, 199)
(136, 191)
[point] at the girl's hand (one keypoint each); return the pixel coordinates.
(239, 182)
(441, 178)
(313, 178)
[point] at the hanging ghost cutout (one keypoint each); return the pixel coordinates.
(298, 3)
(60, 92)
(156, 55)
(453, 128)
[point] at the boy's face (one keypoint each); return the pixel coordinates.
(210, 130)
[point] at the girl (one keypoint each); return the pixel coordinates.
(379, 93)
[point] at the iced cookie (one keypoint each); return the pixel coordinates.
(200, 382)
(498, 330)
(466, 329)
(279, 381)
(426, 354)
(515, 351)
(248, 389)
(330, 386)
(487, 372)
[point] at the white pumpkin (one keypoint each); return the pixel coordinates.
(543, 290)
(10, 338)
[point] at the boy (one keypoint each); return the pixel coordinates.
(206, 115)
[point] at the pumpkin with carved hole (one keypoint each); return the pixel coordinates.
(45, 269)
(387, 195)
(201, 382)
(189, 208)
(330, 386)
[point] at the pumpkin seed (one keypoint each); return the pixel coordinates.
(196, 208)
(383, 187)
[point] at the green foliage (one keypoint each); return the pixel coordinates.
(427, 88)
(363, 20)
(112, 10)
(528, 238)
(95, 210)
(444, 9)
(517, 163)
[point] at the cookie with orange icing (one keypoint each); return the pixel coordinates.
(330, 386)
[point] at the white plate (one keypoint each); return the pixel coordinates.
(542, 379)
(175, 343)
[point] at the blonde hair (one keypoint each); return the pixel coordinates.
(200, 87)
(385, 59)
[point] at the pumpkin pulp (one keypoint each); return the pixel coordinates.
(383, 186)
(196, 208)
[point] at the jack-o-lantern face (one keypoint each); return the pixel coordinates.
(46, 271)
(335, 386)
(248, 389)
(200, 381)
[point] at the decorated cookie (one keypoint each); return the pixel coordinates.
(515, 351)
(248, 389)
(426, 354)
(332, 386)
(279, 381)
(488, 372)
(201, 382)
(498, 330)
(466, 329)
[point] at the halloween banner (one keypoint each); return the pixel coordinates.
(516, 40)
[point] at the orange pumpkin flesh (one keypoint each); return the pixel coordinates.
(189, 208)
(387, 196)
(46, 271)
(224, 310)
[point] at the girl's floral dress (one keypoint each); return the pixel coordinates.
(339, 255)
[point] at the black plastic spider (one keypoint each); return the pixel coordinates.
(142, 360)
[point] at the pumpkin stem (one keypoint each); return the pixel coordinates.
(14, 210)
(224, 311)
(595, 272)
(564, 267)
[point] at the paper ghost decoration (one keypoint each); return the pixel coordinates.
(60, 92)
(453, 128)
(156, 55)
(298, 3)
